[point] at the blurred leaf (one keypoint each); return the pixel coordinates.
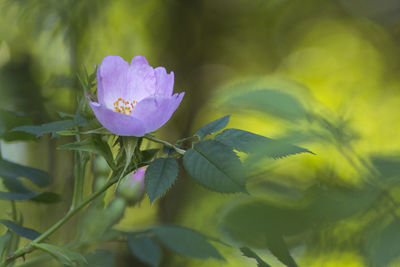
(16, 196)
(22, 231)
(4, 243)
(9, 120)
(92, 228)
(64, 115)
(332, 204)
(86, 80)
(47, 197)
(160, 176)
(18, 192)
(383, 246)
(100, 258)
(253, 143)
(10, 170)
(256, 223)
(145, 249)
(269, 101)
(279, 249)
(250, 222)
(186, 242)
(213, 127)
(60, 81)
(63, 255)
(93, 144)
(388, 167)
(251, 254)
(77, 118)
(44, 197)
(215, 166)
(51, 127)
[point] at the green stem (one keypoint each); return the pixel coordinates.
(180, 141)
(29, 248)
(77, 196)
(81, 160)
(165, 143)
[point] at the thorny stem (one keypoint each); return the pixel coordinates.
(30, 247)
(154, 139)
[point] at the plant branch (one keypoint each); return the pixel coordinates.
(180, 141)
(29, 248)
(165, 143)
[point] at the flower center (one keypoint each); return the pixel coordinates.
(125, 107)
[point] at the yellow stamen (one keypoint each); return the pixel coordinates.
(126, 106)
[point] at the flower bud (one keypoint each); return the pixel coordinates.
(132, 186)
(115, 211)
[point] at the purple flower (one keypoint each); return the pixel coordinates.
(134, 99)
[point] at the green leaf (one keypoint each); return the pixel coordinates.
(44, 197)
(100, 258)
(279, 249)
(86, 80)
(11, 196)
(251, 254)
(247, 222)
(388, 168)
(10, 120)
(64, 115)
(18, 192)
(51, 127)
(186, 242)
(273, 102)
(78, 119)
(63, 255)
(213, 127)
(11, 170)
(383, 247)
(129, 144)
(253, 143)
(148, 154)
(256, 223)
(94, 144)
(47, 197)
(215, 166)
(22, 231)
(327, 205)
(145, 249)
(4, 239)
(160, 176)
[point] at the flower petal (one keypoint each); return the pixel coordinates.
(118, 123)
(111, 80)
(164, 82)
(141, 80)
(139, 60)
(156, 111)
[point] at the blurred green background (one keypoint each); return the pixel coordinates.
(338, 58)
